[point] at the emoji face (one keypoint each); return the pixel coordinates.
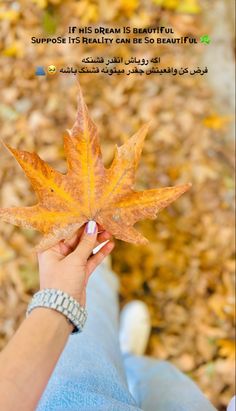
(52, 69)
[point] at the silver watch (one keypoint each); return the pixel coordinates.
(60, 301)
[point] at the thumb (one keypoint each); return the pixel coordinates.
(87, 242)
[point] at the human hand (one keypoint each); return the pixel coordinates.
(68, 265)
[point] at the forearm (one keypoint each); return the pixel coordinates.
(30, 357)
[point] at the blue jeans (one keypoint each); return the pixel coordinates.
(92, 375)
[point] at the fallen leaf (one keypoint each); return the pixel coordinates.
(128, 7)
(88, 191)
(217, 122)
(189, 6)
(227, 348)
(182, 6)
(41, 3)
(11, 15)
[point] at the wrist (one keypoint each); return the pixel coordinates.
(53, 318)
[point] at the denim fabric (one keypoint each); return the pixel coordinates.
(160, 386)
(90, 373)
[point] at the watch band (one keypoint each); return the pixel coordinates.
(60, 301)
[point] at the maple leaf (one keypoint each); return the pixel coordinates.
(88, 191)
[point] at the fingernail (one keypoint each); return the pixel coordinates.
(91, 227)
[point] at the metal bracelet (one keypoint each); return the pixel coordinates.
(60, 301)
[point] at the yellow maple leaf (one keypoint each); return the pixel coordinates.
(11, 15)
(88, 191)
(40, 3)
(129, 6)
(227, 348)
(217, 122)
(189, 6)
(14, 50)
(182, 6)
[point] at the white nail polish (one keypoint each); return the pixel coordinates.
(91, 227)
